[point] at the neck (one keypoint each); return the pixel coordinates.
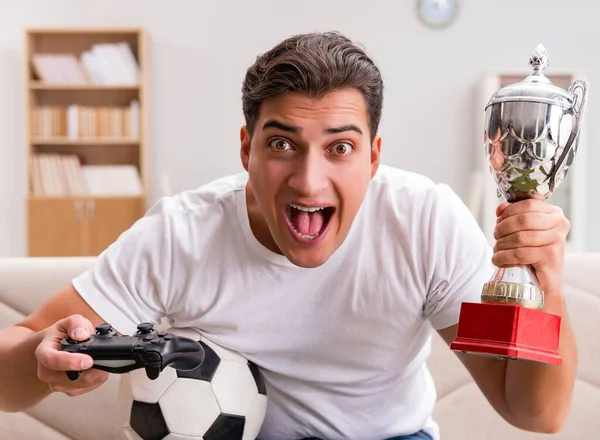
(258, 223)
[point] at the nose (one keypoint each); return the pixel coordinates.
(309, 176)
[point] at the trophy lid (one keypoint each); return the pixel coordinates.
(536, 87)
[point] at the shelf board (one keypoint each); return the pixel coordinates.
(85, 141)
(39, 85)
(82, 30)
(32, 196)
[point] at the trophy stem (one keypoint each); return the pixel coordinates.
(515, 286)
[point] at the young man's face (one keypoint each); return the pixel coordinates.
(309, 163)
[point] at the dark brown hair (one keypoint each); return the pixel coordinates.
(313, 64)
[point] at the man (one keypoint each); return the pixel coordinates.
(325, 268)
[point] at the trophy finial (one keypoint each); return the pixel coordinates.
(539, 59)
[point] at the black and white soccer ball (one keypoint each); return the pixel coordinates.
(224, 399)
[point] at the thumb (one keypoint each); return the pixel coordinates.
(500, 208)
(76, 326)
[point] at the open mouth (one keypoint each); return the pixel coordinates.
(308, 222)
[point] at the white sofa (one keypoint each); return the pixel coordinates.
(462, 412)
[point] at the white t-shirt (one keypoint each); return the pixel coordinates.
(343, 347)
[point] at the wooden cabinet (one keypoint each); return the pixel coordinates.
(107, 218)
(55, 226)
(78, 226)
(86, 100)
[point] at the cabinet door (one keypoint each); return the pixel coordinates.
(55, 227)
(107, 218)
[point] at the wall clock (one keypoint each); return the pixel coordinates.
(437, 13)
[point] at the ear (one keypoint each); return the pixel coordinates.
(245, 147)
(375, 155)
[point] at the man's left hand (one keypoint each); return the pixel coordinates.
(532, 232)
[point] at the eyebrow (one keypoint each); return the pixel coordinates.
(280, 125)
(343, 128)
(293, 129)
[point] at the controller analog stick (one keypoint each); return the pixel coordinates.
(145, 327)
(103, 329)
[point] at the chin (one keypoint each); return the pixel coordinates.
(309, 258)
(308, 253)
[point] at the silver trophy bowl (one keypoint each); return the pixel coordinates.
(531, 139)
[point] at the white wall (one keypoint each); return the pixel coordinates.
(200, 50)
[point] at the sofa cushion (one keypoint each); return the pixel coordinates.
(466, 414)
(101, 420)
(21, 426)
(8, 315)
(27, 282)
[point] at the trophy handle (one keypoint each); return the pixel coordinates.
(577, 110)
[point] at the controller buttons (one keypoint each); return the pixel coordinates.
(145, 327)
(148, 338)
(169, 336)
(161, 333)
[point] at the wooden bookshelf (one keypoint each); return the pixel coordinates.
(39, 85)
(86, 142)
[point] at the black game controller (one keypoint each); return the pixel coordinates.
(147, 349)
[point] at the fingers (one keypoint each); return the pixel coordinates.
(58, 381)
(522, 256)
(50, 357)
(87, 378)
(73, 392)
(76, 326)
(529, 221)
(501, 208)
(506, 210)
(526, 238)
(48, 352)
(529, 232)
(54, 363)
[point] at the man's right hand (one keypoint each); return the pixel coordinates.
(53, 363)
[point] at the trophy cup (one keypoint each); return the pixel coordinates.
(531, 138)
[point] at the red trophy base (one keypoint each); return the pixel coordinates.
(508, 331)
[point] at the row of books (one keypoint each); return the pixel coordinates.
(54, 174)
(84, 122)
(103, 63)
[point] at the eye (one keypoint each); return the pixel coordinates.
(279, 144)
(342, 148)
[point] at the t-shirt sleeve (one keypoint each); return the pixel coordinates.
(129, 282)
(458, 258)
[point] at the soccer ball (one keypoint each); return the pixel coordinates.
(224, 398)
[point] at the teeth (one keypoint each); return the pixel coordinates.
(308, 237)
(306, 209)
